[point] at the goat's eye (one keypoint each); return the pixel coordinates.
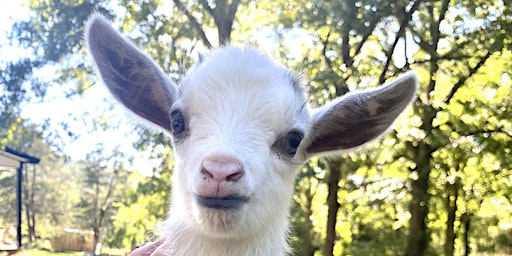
(290, 142)
(177, 122)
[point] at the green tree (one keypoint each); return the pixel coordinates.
(104, 178)
(143, 205)
(449, 71)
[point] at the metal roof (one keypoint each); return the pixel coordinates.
(11, 158)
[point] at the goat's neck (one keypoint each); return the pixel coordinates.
(186, 241)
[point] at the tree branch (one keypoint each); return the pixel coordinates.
(404, 18)
(433, 45)
(445, 57)
(345, 49)
(435, 29)
(373, 24)
(193, 22)
(478, 131)
(487, 131)
(223, 15)
(324, 49)
(463, 80)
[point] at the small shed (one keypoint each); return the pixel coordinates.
(12, 159)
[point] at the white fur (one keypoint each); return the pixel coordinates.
(264, 100)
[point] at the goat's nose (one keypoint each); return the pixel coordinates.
(222, 168)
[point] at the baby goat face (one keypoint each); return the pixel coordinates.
(241, 128)
(237, 123)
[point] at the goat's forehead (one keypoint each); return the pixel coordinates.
(245, 82)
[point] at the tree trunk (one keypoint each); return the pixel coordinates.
(309, 249)
(451, 209)
(466, 221)
(29, 202)
(96, 239)
(27, 216)
(32, 230)
(96, 223)
(417, 238)
(333, 206)
(32, 226)
(418, 207)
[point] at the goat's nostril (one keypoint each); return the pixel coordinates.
(206, 173)
(235, 176)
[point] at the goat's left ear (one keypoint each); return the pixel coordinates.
(360, 117)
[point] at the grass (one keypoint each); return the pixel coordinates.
(36, 252)
(43, 252)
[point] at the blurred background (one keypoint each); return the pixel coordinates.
(439, 184)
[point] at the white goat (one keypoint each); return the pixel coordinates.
(241, 128)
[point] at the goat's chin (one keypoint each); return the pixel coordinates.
(221, 222)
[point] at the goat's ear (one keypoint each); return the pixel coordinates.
(360, 117)
(131, 76)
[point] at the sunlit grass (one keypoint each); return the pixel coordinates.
(35, 252)
(40, 252)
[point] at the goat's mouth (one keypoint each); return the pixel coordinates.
(231, 202)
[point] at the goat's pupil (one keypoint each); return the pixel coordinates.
(177, 122)
(293, 139)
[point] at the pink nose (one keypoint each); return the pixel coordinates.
(221, 168)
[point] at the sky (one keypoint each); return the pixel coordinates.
(60, 109)
(11, 10)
